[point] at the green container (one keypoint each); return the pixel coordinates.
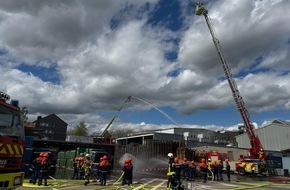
(69, 163)
(59, 155)
(80, 150)
(62, 163)
(72, 154)
(58, 162)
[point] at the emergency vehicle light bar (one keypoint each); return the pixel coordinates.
(4, 96)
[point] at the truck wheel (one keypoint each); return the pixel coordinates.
(241, 171)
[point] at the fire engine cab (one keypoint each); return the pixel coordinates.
(11, 143)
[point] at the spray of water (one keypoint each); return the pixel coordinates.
(142, 163)
(155, 108)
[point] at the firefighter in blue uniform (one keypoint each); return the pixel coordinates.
(220, 167)
(228, 169)
(185, 169)
(104, 169)
(192, 171)
(128, 172)
(177, 177)
(36, 167)
(81, 162)
(45, 165)
(203, 170)
(76, 169)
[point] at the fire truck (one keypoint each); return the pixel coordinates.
(255, 163)
(11, 143)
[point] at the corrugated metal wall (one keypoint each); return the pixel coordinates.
(273, 137)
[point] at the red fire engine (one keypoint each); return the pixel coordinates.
(11, 143)
(254, 164)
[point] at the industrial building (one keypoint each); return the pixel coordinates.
(192, 136)
(274, 137)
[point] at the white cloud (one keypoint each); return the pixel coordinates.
(99, 65)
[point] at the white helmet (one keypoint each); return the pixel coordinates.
(170, 155)
(87, 155)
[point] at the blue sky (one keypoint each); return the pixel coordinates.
(82, 59)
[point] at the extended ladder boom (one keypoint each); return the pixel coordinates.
(112, 120)
(256, 150)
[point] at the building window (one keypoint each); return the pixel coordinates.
(44, 124)
(48, 131)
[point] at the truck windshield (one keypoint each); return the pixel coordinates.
(11, 124)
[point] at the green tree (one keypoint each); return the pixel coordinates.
(121, 132)
(25, 113)
(80, 130)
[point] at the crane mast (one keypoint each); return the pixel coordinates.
(256, 150)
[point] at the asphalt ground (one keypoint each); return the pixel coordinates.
(153, 181)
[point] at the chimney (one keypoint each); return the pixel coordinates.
(39, 117)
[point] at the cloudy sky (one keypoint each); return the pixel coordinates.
(81, 59)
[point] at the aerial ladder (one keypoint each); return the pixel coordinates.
(128, 99)
(256, 151)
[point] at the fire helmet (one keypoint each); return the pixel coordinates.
(170, 155)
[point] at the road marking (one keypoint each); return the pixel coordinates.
(160, 184)
(143, 185)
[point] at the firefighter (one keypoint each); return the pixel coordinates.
(185, 169)
(130, 177)
(43, 174)
(170, 171)
(104, 168)
(95, 171)
(87, 169)
(128, 172)
(36, 166)
(76, 169)
(192, 171)
(220, 170)
(261, 154)
(99, 175)
(178, 167)
(81, 162)
(228, 169)
(203, 170)
(215, 170)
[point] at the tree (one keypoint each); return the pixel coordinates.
(25, 113)
(80, 130)
(122, 132)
